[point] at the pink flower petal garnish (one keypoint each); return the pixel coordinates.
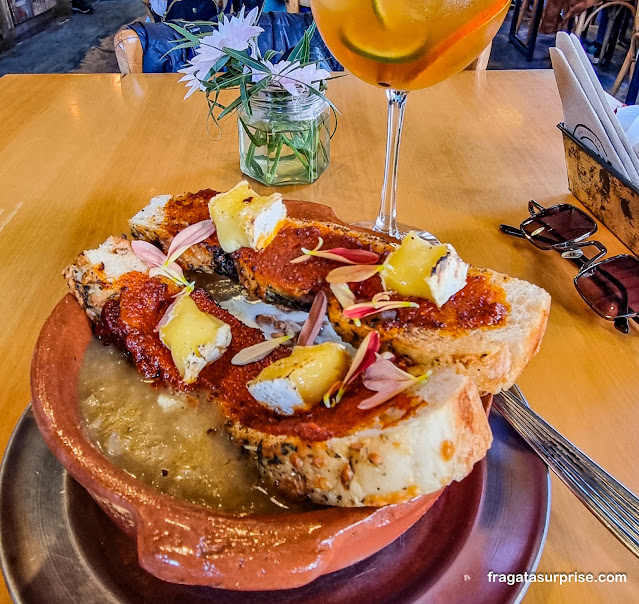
(306, 254)
(173, 272)
(148, 253)
(313, 323)
(343, 293)
(353, 274)
(328, 395)
(352, 256)
(383, 370)
(300, 259)
(338, 254)
(370, 344)
(381, 297)
(167, 315)
(364, 357)
(385, 395)
(359, 311)
(187, 237)
(346, 256)
(388, 381)
(157, 261)
(257, 352)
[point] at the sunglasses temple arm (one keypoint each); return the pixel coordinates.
(510, 230)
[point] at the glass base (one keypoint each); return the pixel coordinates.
(402, 230)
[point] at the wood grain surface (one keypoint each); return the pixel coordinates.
(79, 154)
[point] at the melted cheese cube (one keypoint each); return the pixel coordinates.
(194, 338)
(419, 268)
(298, 382)
(243, 218)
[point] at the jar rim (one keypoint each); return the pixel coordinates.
(278, 99)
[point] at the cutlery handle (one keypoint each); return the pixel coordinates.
(614, 505)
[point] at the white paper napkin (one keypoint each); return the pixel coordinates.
(601, 103)
(581, 119)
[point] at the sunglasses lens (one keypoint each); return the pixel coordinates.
(558, 224)
(611, 288)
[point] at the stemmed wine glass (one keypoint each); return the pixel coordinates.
(403, 45)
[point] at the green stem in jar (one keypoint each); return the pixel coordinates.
(323, 148)
(297, 154)
(276, 159)
(250, 153)
(253, 137)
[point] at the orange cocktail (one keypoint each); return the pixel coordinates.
(404, 45)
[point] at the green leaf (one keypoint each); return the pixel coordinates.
(185, 32)
(244, 59)
(219, 64)
(323, 148)
(297, 154)
(276, 160)
(209, 24)
(230, 108)
(301, 51)
(269, 54)
(253, 136)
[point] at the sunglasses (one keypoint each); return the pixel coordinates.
(610, 287)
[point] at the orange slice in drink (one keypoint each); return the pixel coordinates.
(404, 50)
(480, 21)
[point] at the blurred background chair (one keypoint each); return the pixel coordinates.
(147, 47)
(630, 62)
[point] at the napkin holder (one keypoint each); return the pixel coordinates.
(611, 197)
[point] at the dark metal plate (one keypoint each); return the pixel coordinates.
(57, 546)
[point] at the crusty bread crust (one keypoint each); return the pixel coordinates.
(93, 277)
(421, 454)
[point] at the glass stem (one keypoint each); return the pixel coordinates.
(386, 220)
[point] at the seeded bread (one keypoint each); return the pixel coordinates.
(396, 459)
(94, 276)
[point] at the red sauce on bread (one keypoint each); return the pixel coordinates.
(182, 211)
(272, 266)
(130, 324)
(480, 304)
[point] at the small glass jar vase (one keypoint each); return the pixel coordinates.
(284, 139)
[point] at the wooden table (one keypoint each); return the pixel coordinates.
(79, 154)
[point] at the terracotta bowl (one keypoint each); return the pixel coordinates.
(185, 543)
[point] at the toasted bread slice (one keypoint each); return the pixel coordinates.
(493, 356)
(165, 216)
(399, 451)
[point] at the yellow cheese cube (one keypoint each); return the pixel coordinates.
(194, 338)
(419, 268)
(299, 382)
(243, 218)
